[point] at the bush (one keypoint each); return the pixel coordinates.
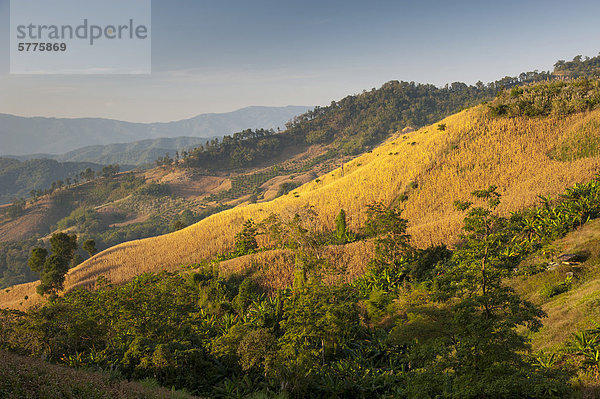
(551, 290)
(154, 190)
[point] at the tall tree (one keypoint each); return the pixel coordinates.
(392, 244)
(245, 240)
(89, 246)
(485, 347)
(52, 268)
(340, 227)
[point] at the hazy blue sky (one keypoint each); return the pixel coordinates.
(217, 56)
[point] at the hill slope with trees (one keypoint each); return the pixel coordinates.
(19, 178)
(424, 171)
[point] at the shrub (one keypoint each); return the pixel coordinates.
(551, 290)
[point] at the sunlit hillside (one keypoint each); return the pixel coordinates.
(422, 171)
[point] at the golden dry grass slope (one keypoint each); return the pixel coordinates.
(431, 167)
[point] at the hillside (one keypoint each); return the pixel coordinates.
(318, 290)
(21, 136)
(18, 178)
(574, 308)
(424, 171)
(252, 165)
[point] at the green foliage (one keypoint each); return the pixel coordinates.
(89, 246)
(352, 124)
(578, 67)
(63, 245)
(485, 350)
(245, 240)
(21, 377)
(37, 259)
(16, 209)
(154, 190)
(182, 332)
(286, 187)
(19, 178)
(178, 225)
(553, 98)
(243, 149)
(343, 235)
(537, 227)
(531, 270)
(318, 323)
(52, 268)
(110, 170)
(392, 248)
(425, 261)
(13, 262)
(87, 219)
(551, 290)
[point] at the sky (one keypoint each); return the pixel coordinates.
(222, 55)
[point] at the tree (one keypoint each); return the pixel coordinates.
(110, 170)
(37, 259)
(89, 246)
(87, 174)
(64, 245)
(245, 240)
(485, 348)
(16, 209)
(319, 322)
(340, 227)
(300, 234)
(392, 244)
(178, 225)
(52, 269)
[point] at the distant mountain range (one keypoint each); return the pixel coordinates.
(137, 153)
(40, 135)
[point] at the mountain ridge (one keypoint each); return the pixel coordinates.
(27, 135)
(133, 153)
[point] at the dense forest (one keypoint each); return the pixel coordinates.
(552, 98)
(579, 67)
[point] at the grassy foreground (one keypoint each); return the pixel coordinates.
(22, 378)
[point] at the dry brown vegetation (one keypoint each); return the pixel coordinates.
(432, 168)
(274, 269)
(35, 219)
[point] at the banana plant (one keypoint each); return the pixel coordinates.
(545, 360)
(583, 342)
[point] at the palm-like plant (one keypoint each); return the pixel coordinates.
(583, 342)
(545, 360)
